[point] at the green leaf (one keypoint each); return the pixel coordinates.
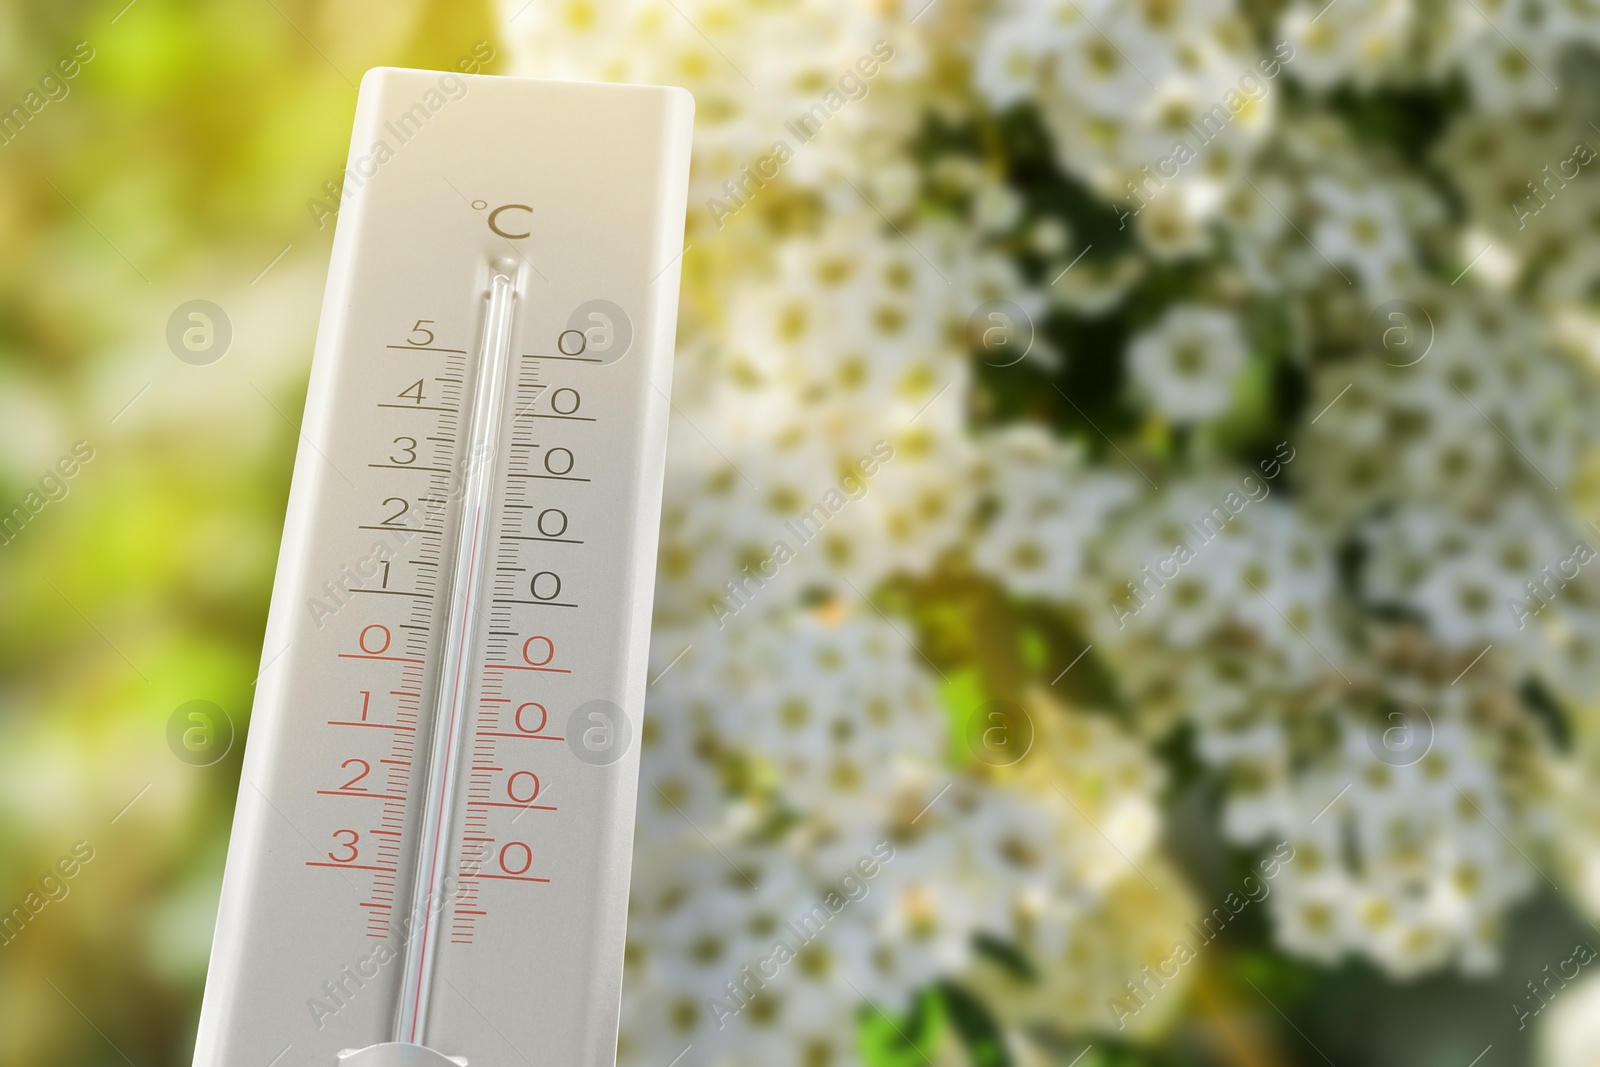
(902, 1041)
(976, 1027)
(961, 693)
(1007, 955)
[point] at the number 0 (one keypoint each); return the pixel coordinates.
(508, 857)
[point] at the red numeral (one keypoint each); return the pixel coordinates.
(507, 858)
(528, 651)
(350, 844)
(366, 769)
(511, 787)
(544, 718)
(380, 650)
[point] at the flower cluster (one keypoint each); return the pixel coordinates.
(1294, 456)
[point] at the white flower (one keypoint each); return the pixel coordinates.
(1049, 236)
(1364, 229)
(1009, 64)
(1187, 363)
(1045, 507)
(837, 704)
(1360, 42)
(1512, 72)
(995, 208)
(1569, 1035)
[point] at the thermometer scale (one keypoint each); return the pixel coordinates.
(430, 855)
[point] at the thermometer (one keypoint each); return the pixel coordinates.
(430, 855)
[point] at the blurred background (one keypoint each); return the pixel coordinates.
(1211, 647)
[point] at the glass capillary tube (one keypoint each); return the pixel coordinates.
(455, 679)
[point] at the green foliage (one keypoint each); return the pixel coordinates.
(905, 1040)
(177, 166)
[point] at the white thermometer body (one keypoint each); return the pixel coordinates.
(431, 850)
